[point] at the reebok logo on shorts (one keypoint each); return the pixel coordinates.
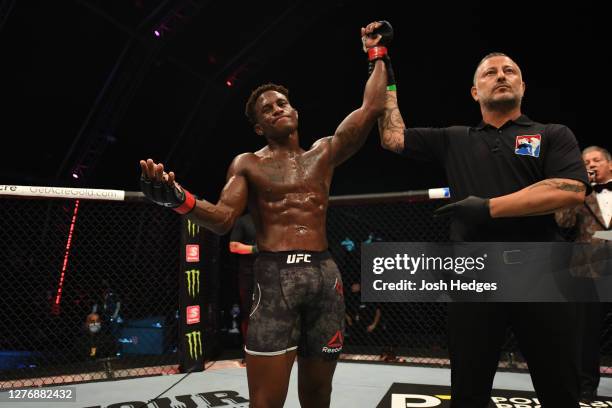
(297, 258)
(335, 344)
(339, 288)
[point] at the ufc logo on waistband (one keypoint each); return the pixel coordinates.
(297, 258)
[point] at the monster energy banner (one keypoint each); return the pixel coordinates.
(192, 346)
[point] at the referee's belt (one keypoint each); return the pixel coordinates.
(523, 256)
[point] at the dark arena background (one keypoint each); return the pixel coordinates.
(90, 87)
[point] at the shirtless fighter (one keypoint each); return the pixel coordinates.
(298, 307)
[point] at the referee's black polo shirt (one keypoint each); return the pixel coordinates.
(489, 162)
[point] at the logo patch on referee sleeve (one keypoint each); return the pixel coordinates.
(528, 145)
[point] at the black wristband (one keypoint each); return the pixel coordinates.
(388, 66)
(390, 73)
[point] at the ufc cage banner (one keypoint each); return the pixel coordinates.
(431, 396)
(486, 272)
(190, 285)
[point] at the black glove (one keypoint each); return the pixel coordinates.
(385, 31)
(473, 209)
(175, 197)
(379, 51)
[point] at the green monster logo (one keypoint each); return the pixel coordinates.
(193, 282)
(194, 341)
(192, 228)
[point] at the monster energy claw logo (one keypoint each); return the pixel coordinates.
(193, 282)
(194, 341)
(192, 228)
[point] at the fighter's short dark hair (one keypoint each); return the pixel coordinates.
(249, 111)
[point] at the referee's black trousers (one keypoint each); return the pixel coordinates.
(546, 335)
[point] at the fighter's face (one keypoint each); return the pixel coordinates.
(599, 168)
(499, 84)
(275, 115)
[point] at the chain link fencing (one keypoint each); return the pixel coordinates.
(71, 266)
(413, 333)
(61, 263)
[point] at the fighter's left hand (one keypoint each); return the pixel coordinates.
(473, 209)
(376, 33)
(367, 40)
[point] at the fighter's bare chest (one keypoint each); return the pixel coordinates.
(288, 173)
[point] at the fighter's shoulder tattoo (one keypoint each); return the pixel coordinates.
(242, 163)
(349, 131)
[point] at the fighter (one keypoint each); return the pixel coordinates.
(298, 306)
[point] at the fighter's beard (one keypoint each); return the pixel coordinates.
(502, 105)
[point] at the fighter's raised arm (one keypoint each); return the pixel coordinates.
(390, 123)
(161, 188)
(354, 129)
